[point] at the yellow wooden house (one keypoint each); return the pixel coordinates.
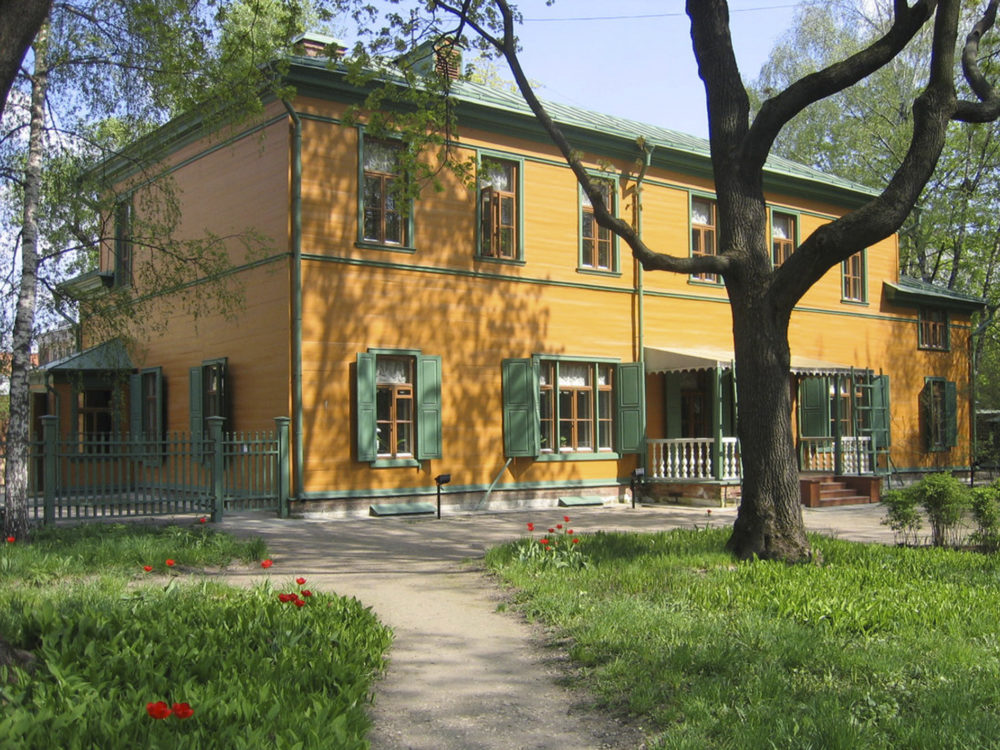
(496, 334)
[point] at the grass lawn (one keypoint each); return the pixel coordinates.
(877, 647)
(111, 640)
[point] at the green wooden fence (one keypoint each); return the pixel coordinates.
(114, 476)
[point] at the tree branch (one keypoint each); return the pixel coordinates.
(987, 108)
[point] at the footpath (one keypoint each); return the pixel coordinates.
(465, 674)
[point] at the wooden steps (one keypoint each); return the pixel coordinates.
(827, 491)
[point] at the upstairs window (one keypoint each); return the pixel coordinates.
(783, 228)
(853, 278)
(933, 329)
(498, 209)
(703, 233)
(382, 221)
(596, 242)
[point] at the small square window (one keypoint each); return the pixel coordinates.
(783, 235)
(934, 330)
(703, 233)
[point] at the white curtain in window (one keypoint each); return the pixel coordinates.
(701, 212)
(391, 371)
(571, 374)
(380, 157)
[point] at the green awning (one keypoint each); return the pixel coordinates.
(910, 292)
(109, 356)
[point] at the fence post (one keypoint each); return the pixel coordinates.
(50, 436)
(281, 424)
(218, 465)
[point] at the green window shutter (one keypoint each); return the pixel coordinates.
(428, 407)
(520, 408)
(224, 395)
(814, 407)
(880, 421)
(135, 408)
(367, 446)
(951, 413)
(629, 409)
(927, 414)
(196, 413)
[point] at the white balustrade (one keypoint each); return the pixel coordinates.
(691, 458)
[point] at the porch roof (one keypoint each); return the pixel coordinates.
(678, 360)
(111, 355)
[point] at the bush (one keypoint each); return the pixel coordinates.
(986, 512)
(945, 500)
(901, 515)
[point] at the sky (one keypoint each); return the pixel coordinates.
(633, 58)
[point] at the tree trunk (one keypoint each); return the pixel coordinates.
(769, 521)
(20, 21)
(16, 472)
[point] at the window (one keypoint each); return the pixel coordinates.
(498, 209)
(398, 407)
(853, 273)
(703, 233)
(556, 407)
(383, 223)
(939, 410)
(123, 244)
(209, 393)
(696, 410)
(94, 413)
(146, 406)
(783, 237)
(933, 329)
(596, 242)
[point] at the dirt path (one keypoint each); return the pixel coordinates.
(463, 675)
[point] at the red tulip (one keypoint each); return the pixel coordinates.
(285, 598)
(576, 541)
(158, 710)
(201, 520)
(170, 563)
(183, 711)
(147, 568)
(299, 602)
(543, 541)
(531, 527)
(11, 540)
(566, 519)
(300, 581)
(306, 592)
(266, 563)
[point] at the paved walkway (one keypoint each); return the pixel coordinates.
(463, 674)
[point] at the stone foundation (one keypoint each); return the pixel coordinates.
(697, 494)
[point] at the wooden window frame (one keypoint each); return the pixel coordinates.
(854, 279)
(783, 247)
(704, 237)
(576, 433)
(592, 245)
(393, 423)
(385, 180)
(940, 414)
(933, 329)
(489, 207)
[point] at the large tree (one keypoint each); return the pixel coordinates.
(769, 522)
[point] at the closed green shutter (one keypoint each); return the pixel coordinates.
(880, 420)
(135, 408)
(814, 407)
(520, 408)
(196, 413)
(950, 414)
(367, 445)
(629, 408)
(428, 407)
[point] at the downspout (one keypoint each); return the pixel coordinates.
(296, 298)
(647, 151)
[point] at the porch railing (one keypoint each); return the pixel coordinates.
(820, 454)
(692, 458)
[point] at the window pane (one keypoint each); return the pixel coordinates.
(380, 157)
(574, 373)
(701, 212)
(392, 370)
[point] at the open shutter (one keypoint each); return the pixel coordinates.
(488, 208)
(428, 407)
(629, 408)
(367, 445)
(950, 414)
(814, 407)
(520, 409)
(927, 414)
(880, 421)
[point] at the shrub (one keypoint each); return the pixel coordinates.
(901, 515)
(944, 499)
(986, 512)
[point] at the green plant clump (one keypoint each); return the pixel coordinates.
(878, 647)
(189, 664)
(986, 513)
(902, 515)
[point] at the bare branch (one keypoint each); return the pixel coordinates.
(987, 108)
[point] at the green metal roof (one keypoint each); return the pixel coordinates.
(500, 110)
(912, 292)
(111, 355)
